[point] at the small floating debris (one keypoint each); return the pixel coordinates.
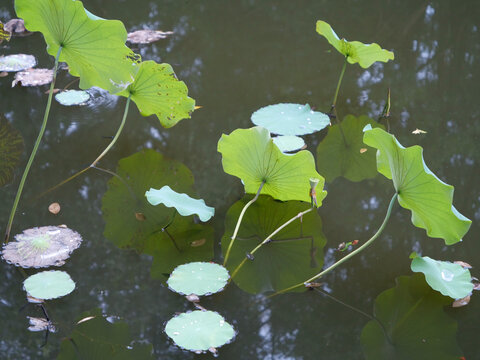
(72, 97)
(147, 36)
(54, 208)
(47, 285)
(33, 77)
(17, 62)
(198, 278)
(40, 324)
(418, 131)
(17, 27)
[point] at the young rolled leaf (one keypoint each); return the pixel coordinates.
(48, 285)
(355, 51)
(93, 49)
(418, 189)
(251, 155)
(198, 278)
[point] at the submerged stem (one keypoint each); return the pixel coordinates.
(35, 148)
(339, 83)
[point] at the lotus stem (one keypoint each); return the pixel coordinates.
(239, 221)
(35, 148)
(339, 83)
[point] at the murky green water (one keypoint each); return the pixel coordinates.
(236, 58)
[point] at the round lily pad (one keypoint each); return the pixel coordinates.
(290, 119)
(48, 285)
(72, 97)
(41, 247)
(199, 330)
(33, 77)
(289, 143)
(199, 278)
(17, 62)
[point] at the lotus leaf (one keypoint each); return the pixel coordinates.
(33, 77)
(288, 143)
(72, 97)
(17, 62)
(251, 155)
(48, 285)
(418, 189)
(355, 51)
(198, 278)
(11, 149)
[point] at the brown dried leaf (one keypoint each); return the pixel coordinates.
(54, 208)
(197, 243)
(16, 26)
(3, 74)
(140, 216)
(147, 36)
(461, 302)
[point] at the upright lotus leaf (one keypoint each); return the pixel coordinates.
(418, 189)
(290, 119)
(343, 153)
(48, 285)
(410, 324)
(294, 254)
(11, 149)
(450, 279)
(198, 278)
(251, 155)
(96, 338)
(156, 90)
(199, 331)
(184, 204)
(72, 97)
(289, 143)
(355, 51)
(17, 62)
(93, 49)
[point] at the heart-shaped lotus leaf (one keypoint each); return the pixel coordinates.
(450, 279)
(11, 148)
(93, 49)
(198, 278)
(41, 247)
(184, 204)
(129, 218)
(33, 77)
(199, 331)
(48, 285)
(4, 35)
(72, 97)
(343, 153)
(289, 143)
(251, 155)
(355, 51)
(156, 90)
(17, 62)
(294, 254)
(96, 338)
(290, 119)
(418, 189)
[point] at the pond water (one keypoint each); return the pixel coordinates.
(235, 59)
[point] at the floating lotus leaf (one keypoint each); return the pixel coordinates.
(251, 155)
(355, 51)
(33, 77)
(410, 323)
(156, 90)
(11, 149)
(199, 330)
(41, 247)
(289, 143)
(17, 62)
(294, 254)
(93, 49)
(184, 204)
(448, 278)
(343, 153)
(147, 36)
(419, 190)
(48, 285)
(198, 278)
(290, 119)
(72, 97)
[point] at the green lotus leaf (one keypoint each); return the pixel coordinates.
(448, 278)
(17, 62)
(72, 97)
(156, 90)
(198, 278)
(199, 330)
(418, 189)
(343, 153)
(184, 204)
(11, 149)
(294, 254)
(410, 323)
(289, 143)
(251, 155)
(290, 119)
(93, 49)
(355, 51)
(48, 285)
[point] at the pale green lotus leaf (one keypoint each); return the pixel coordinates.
(418, 189)
(355, 51)
(184, 204)
(289, 143)
(11, 149)
(48, 285)
(290, 119)
(199, 331)
(448, 278)
(198, 278)
(72, 97)
(17, 62)
(251, 155)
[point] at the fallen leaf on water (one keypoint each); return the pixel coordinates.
(33, 77)
(147, 36)
(54, 91)
(461, 302)
(16, 26)
(3, 74)
(362, 150)
(199, 242)
(54, 208)
(418, 131)
(463, 264)
(140, 216)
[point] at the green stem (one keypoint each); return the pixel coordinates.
(239, 221)
(352, 254)
(339, 82)
(35, 148)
